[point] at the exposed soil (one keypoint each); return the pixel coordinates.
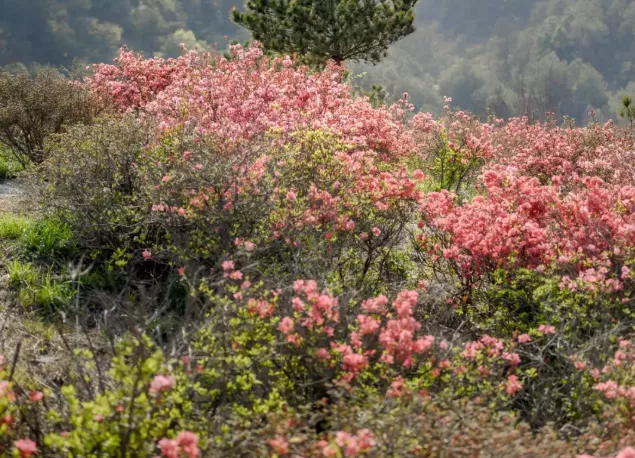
(13, 194)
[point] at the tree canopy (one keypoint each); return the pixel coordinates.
(335, 29)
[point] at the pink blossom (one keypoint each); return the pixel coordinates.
(524, 338)
(396, 388)
(146, 254)
(188, 443)
(376, 231)
(322, 354)
(236, 275)
(169, 448)
(546, 329)
(513, 358)
(627, 452)
(354, 362)
(348, 442)
(367, 325)
(366, 439)
(513, 386)
(329, 451)
(286, 325)
(26, 447)
(161, 383)
(279, 445)
(580, 365)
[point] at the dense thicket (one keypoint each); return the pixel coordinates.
(285, 269)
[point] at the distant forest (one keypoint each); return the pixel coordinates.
(502, 57)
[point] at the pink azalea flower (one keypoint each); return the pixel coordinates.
(188, 443)
(169, 448)
(524, 338)
(286, 325)
(513, 386)
(26, 447)
(546, 329)
(279, 445)
(162, 383)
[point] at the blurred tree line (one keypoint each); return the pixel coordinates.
(507, 57)
(516, 57)
(57, 32)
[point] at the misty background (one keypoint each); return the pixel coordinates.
(502, 57)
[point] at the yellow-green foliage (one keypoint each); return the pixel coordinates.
(42, 289)
(14, 226)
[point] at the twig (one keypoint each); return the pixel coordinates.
(15, 360)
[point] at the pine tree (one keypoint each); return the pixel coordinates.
(628, 111)
(319, 30)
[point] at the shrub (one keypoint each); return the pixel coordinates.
(259, 387)
(34, 107)
(306, 207)
(234, 100)
(9, 167)
(414, 427)
(91, 179)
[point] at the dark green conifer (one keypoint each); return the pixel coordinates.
(358, 30)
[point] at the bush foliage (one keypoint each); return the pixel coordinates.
(32, 107)
(280, 268)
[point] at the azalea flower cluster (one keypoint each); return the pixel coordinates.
(616, 380)
(234, 99)
(522, 223)
(544, 150)
(551, 200)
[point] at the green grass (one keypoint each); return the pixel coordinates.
(14, 226)
(22, 274)
(47, 238)
(44, 241)
(39, 288)
(9, 167)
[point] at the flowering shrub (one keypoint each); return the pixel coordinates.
(315, 201)
(322, 276)
(572, 225)
(233, 100)
(272, 355)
